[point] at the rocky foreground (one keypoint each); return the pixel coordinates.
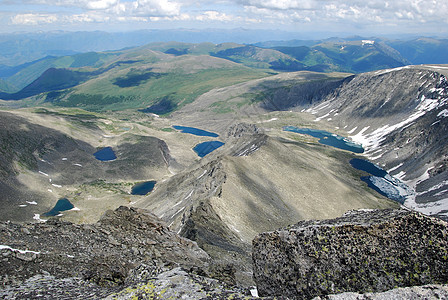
(130, 253)
(362, 251)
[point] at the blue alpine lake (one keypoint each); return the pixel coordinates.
(205, 148)
(143, 188)
(367, 166)
(105, 154)
(62, 205)
(328, 138)
(381, 181)
(195, 131)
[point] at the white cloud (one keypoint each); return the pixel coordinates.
(101, 4)
(215, 16)
(282, 4)
(33, 19)
(367, 10)
(322, 14)
(154, 7)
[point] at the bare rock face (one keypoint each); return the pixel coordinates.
(129, 253)
(430, 291)
(246, 139)
(241, 129)
(104, 253)
(362, 251)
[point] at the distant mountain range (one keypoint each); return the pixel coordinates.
(25, 57)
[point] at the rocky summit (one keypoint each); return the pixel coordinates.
(128, 253)
(131, 254)
(362, 251)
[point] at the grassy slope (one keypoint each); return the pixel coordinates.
(30, 73)
(353, 56)
(181, 79)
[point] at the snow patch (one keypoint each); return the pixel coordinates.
(189, 195)
(79, 165)
(177, 203)
(179, 210)
(394, 168)
(353, 130)
(45, 174)
(322, 117)
(441, 193)
(37, 218)
(32, 202)
(367, 42)
(401, 175)
(234, 229)
(254, 291)
(267, 121)
(385, 71)
(17, 250)
(376, 157)
(56, 185)
(438, 121)
(373, 140)
(200, 176)
(435, 187)
(443, 113)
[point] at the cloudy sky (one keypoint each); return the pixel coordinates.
(425, 17)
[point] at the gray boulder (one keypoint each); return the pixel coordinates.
(430, 291)
(362, 251)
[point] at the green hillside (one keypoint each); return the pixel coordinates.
(153, 78)
(163, 77)
(32, 71)
(346, 56)
(423, 50)
(6, 86)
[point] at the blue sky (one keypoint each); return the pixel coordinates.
(365, 17)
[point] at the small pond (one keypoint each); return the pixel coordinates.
(195, 131)
(62, 205)
(381, 181)
(205, 148)
(105, 154)
(143, 188)
(328, 138)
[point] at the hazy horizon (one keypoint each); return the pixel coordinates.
(321, 18)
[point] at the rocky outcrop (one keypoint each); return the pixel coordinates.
(242, 129)
(302, 93)
(431, 291)
(245, 139)
(103, 253)
(129, 253)
(172, 284)
(362, 251)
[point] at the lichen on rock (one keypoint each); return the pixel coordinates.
(362, 251)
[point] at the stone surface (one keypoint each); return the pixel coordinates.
(431, 291)
(128, 253)
(178, 284)
(362, 251)
(103, 253)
